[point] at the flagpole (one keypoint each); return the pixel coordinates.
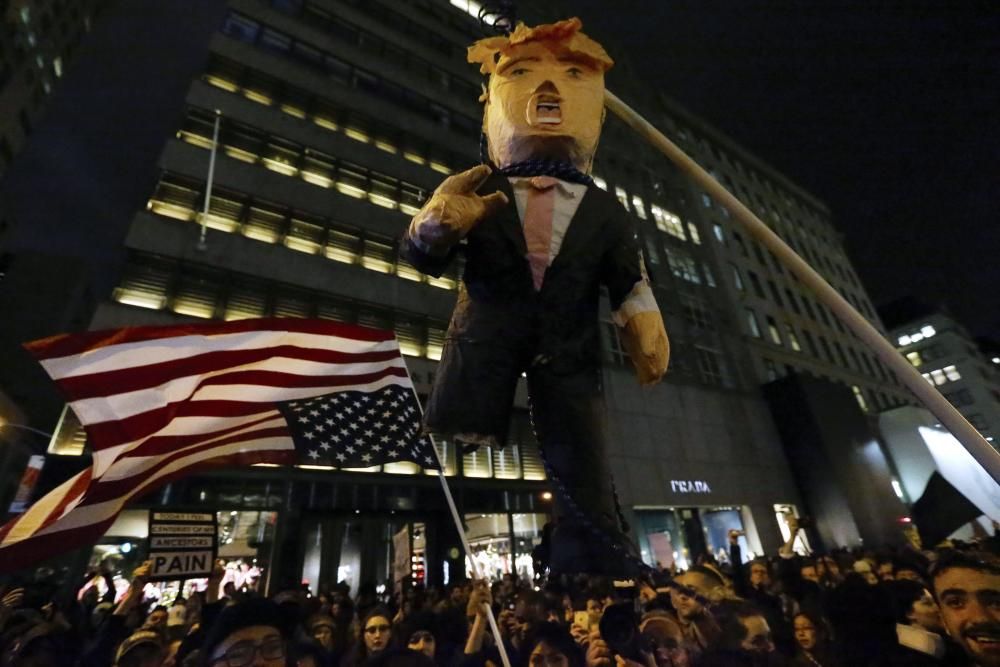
(461, 531)
(952, 419)
(202, 243)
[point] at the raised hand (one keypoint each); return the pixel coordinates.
(454, 209)
(645, 340)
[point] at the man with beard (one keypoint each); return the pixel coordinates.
(967, 588)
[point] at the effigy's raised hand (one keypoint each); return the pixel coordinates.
(454, 209)
(645, 340)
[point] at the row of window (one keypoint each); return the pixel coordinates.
(245, 29)
(354, 36)
(263, 89)
(859, 362)
(197, 291)
(786, 298)
(182, 198)
(248, 144)
(942, 376)
(879, 399)
(859, 303)
(520, 459)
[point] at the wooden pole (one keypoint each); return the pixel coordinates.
(952, 419)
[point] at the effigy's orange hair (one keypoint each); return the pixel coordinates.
(487, 52)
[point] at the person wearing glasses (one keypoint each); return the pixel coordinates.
(247, 634)
(376, 637)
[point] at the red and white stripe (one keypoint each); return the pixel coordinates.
(159, 403)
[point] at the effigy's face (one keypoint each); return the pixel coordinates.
(544, 102)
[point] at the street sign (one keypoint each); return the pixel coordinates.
(182, 545)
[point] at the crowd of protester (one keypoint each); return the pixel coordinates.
(847, 608)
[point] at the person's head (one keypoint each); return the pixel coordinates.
(809, 572)
(376, 630)
(252, 632)
(662, 633)
(760, 575)
(700, 581)
(967, 588)
(546, 93)
(863, 568)
(322, 628)
(910, 573)
(744, 628)
(551, 645)
(423, 642)
(914, 605)
(831, 567)
(885, 570)
(595, 607)
(811, 631)
(157, 618)
(457, 595)
(143, 648)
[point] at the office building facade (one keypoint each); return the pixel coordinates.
(335, 120)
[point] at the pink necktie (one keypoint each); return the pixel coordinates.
(538, 225)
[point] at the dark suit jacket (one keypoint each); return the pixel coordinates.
(499, 310)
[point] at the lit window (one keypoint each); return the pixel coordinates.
(325, 123)
(57, 66)
(357, 134)
(752, 324)
(737, 278)
(243, 304)
(927, 331)
(622, 197)
(377, 256)
(772, 329)
(693, 234)
(904, 340)
(293, 110)
(414, 157)
(639, 206)
(435, 342)
(667, 222)
(938, 377)
(600, 182)
(195, 298)
(719, 234)
(263, 225)
(440, 168)
(342, 246)
(304, 237)
(793, 340)
(860, 397)
(952, 373)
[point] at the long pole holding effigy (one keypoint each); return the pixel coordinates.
(951, 418)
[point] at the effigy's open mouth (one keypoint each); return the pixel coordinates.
(544, 109)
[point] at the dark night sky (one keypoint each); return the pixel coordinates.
(889, 112)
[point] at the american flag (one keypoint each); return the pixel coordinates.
(159, 403)
(357, 429)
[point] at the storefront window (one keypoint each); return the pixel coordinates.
(781, 513)
(527, 536)
(661, 542)
(489, 537)
(717, 522)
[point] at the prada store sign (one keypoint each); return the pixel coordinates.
(690, 486)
